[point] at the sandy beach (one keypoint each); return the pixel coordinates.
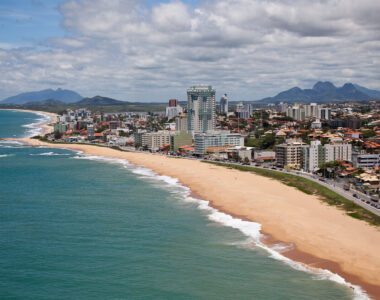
(323, 236)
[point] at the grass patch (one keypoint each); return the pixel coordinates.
(311, 188)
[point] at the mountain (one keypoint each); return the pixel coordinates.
(48, 102)
(324, 92)
(66, 96)
(369, 92)
(100, 101)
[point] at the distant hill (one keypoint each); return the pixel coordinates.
(48, 102)
(66, 96)
(100, 101)
(324, 92)
(369, 92)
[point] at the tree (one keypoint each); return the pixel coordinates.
(369, 133)
(57, 135)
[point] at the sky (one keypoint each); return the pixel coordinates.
(150, 50)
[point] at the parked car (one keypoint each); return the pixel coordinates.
(356, 196)
(322, 179)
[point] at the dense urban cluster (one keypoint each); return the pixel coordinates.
(336, 143)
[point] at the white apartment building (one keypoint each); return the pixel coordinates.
(338, 150)
(154, 140)
(316, 154)
(173, 111)
(216, 139)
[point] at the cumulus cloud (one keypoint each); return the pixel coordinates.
(247, 48)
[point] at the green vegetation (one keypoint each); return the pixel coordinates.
(264, 142)
(311, 188)
(369, 133)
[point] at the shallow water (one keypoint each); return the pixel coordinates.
(82, 227)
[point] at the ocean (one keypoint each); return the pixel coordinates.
(84, 227)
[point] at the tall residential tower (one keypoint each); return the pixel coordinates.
(224, 105)
(200, 109)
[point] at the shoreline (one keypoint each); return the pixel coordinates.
(45, 127)
(308, 243)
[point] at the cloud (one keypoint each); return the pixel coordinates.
(247, 48)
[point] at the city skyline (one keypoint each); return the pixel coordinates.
(147, 50)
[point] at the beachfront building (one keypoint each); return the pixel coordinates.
(201, 109)
(290, 153)
(338, 150)
(90, 131)
(180, 139)
(138, 137)
(155, 140)
(209, 139)
(61, 127)
(312, 156)
(224, 105)
(316, 154)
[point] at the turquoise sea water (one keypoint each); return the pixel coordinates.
(77, 227)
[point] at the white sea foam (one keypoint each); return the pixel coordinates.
(248, 228)
(49, 154)
(5, 155)
(12, 144)
(35, 128)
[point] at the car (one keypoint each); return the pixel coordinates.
(322, 179)
(356, 196)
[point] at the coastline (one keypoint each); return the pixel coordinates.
(45, 127)
(323, 236)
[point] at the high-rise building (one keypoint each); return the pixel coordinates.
(173, 111)
(181, 123)
(296, 112)
(324, 113)
(224, 105)
(173, 102)
(244, 111)
(290, 153)
(201, 109)
(312, 156)
(311, 110)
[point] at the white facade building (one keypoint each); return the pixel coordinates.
(216, 139)
(173, 111)
(201, 115)
(154, 140)
(338, 150)
(224, 105)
